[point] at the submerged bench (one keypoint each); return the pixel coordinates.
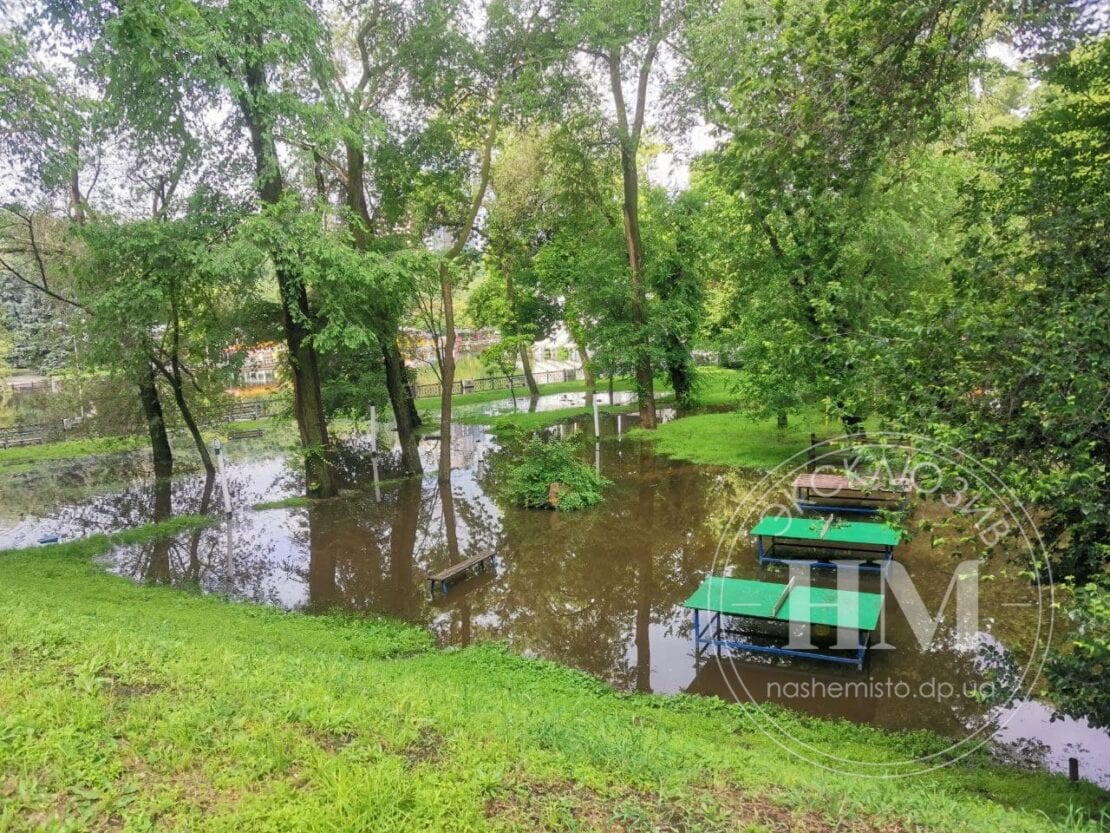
(731, 601)
(479, 563)
(868, 542)
(837, 493)
(248, 434)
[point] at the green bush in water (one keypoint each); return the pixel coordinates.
(549, 475)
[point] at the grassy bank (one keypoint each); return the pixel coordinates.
(732, 439)
(25, 457)
(525, 421)
(430, 403)
(125, 707)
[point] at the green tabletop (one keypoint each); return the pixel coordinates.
(813, 605)
(836, 532)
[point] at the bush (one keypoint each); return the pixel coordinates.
(1077, 677)
(546, 462)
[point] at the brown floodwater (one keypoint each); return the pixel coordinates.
(600, 590)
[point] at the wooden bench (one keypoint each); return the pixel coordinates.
(479, 563)
(245, 412)
(245, 435)
(17, 438)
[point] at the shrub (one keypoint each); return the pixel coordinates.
(546, 462)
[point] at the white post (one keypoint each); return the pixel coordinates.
(597, 425)
(229, 566)
(374, 451)
(223, 477)
(619, 430)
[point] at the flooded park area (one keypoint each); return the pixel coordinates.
(600, 590)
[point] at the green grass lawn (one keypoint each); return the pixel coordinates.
(25, 457)
(734, 439)
(137, 708)
(525, 421)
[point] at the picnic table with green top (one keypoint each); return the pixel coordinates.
(730, 601)
(867, 541)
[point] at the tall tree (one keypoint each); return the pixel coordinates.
(161, 71)
(386, 43)
(486, 75)
(625, 38)
(822, 103)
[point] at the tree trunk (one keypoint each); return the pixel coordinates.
(178, 388)
(400, 399)
(526, 363)
(296, 314)
(588, 375)
(308, 404)
(630, 210)
(447, 362)
(679, 370)
(645, 392)
(781, 420)
(447, 373)
(156, 425)
(158, 569)
(407, 383)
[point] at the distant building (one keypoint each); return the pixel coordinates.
(558, 347)
(260, 366)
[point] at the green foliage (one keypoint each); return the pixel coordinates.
(1077, 676)
(1011, 364)
(544, 464)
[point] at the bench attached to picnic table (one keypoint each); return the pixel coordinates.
(837, 493)
(731, 601)
(477, 563)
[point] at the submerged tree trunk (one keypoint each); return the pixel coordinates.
(296, 314)
(400, 399)
(526, 363)
(308, 403)
(158, 569)
(447, 362)
(447, 373)
(156, 425)
(194, 539)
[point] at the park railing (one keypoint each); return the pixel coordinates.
(38, 433)
(494, 383)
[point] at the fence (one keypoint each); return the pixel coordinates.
(494, 383)
(45, 432)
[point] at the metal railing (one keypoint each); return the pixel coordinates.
(494, 383)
